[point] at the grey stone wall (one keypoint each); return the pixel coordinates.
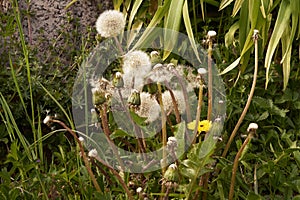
(55, 33)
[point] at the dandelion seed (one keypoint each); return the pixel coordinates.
(93, 153)
(252, 126)
(81, 139)
(202, 71)
(136, 65)
(172, 143)
(47, 119)
(139, 190)
(168, 103)
(211, 33)
(149, 107)
(110, 23)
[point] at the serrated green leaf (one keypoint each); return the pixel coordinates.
(263, 116)
(119, 133)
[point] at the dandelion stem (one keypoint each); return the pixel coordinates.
(106, 130)
(164, 132)
(210, 80)
(235, 164)
(138, 132)
(117, 175)
(85, 160)
(177, 114)
(198, 114)
(255, 36)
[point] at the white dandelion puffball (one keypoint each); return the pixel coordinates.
(110, 23)
(168, 103)
(136, 65)
(149, 107)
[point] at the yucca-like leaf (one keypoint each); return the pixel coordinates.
(188, 27)
(149, 33)
(224, 4)
(286, 60)
(133, 12)
(172, 22)
(281, 23)
(237, 6)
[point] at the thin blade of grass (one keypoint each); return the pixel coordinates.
(70, 121)
(13, 127)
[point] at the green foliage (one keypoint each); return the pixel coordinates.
(38, 162)
(259, 15)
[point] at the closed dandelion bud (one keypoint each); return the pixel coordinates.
(155, 58)
(134, 99)
(95, 116)
(98, 97)
(118, 81)
(171, 175)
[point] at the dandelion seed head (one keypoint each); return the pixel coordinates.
(168, 103)
(149, 107)
(110, 23)
(136, 65)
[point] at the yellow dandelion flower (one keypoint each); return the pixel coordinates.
(202, 125)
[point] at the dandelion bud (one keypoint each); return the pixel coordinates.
(118, 81)
(98, 97)
(252, 127)
(134, 99)
(172, 173)
(172, 143)
(155, 58)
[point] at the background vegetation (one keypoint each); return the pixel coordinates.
(41, 162)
